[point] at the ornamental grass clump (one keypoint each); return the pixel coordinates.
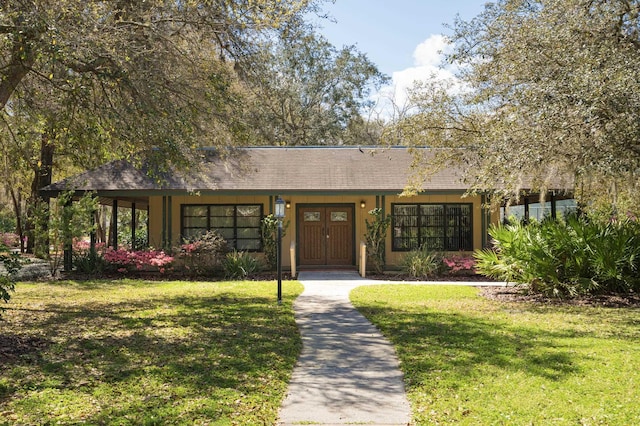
(239, 265)
(422, 263)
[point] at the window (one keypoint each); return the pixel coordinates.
(445, 227)
(238, 224)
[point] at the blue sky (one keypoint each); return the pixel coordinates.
(389, 31)
(402, 37)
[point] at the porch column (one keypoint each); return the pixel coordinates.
(526, 209)
(67, 238)
(554, 214)
(114, 225)
(133, 226)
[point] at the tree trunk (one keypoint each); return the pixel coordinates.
(42, 177)
(17, 209)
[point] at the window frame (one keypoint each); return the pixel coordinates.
(233, 243)
(447, 229)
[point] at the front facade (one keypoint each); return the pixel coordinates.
(324, 230)
(328, 194)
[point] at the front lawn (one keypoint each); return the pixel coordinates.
(134, 352)
(468, 360)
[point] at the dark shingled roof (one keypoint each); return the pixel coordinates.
(274, 170)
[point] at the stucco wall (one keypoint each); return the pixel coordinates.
(360, 214)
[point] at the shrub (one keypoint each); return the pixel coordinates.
(86, 260)
(204, 254)
(11, 262)
(125, 261)
(9, 239)
(375, 238)
(269, 229)
(459, 264)
(422, 263)
(239, 265)
(566, 258)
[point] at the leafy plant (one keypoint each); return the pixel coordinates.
(59, 223)
(126, 261)
(375, 238)
(204, 254)
(269, 229)
(422, 263)
(566, 258)
(11, 262)
(239, 265)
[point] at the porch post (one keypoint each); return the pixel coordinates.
(114, 225)
(526, 209)
(133, 226)
(554, 214)
(67, 238)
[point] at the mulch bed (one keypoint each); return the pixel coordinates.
(515, 294)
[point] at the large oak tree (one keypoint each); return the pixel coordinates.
(545, 88)
(85, 81)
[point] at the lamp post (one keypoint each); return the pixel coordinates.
(279, 214)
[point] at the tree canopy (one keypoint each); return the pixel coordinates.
(544, 89)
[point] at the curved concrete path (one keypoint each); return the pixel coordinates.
(347, 372)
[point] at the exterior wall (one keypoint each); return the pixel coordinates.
(172, 215)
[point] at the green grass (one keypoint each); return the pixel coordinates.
(471, 361)
(147, 353)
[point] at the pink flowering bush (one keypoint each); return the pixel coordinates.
(9, 239)
(124, 261)
(460, 264)
(204, 254)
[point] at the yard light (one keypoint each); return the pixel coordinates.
(279, 214)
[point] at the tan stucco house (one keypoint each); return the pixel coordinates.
(328, 191)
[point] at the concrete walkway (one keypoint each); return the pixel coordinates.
(347, 372)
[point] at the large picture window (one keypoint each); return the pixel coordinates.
(238, 224)
(443, 227)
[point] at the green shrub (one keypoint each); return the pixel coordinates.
(375, 238)
(204, 254)
(566, 258)
(11, 266)
(239, 265)
(422, 263)
(269, 229)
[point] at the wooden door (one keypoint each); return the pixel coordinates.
(325, 235)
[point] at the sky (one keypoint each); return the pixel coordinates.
(402, 37)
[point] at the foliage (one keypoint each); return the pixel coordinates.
(147, 352)
(546, 95)
(472, 361)
(307, 92)
(422, 263)
(566, 258)
(128, 261)
(62, 222)
(9, 239)
(375, 239)
(459, 264)
(269, 229)
(81, 84)
(11, 266)
(204, 254)
(239, 265)
(7, 221)
(88, 260)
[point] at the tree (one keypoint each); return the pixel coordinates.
(545, 89)
(83, 82)
(304, 91)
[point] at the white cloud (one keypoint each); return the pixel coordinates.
(427, 58)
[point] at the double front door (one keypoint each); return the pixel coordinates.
(325, 235)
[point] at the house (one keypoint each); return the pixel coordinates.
(328, 191)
